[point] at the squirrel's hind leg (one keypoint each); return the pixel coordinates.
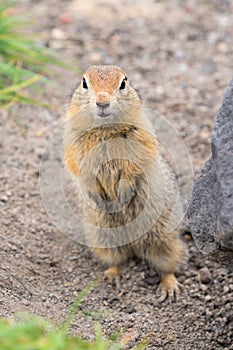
(165, 257)
(113, 274)
(114, 258)
(166, 261)
(169, 288)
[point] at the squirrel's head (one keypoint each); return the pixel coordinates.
(104, 93)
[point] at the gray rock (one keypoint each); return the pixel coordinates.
(211, 206)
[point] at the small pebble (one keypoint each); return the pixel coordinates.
(95, 58)
(208, 298)
(65, 18)
(4, 198)
(205, 275)
(58, 34)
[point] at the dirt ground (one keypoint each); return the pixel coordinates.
(178, 55)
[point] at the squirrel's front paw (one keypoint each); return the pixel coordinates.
(169, 288)
(125, 192)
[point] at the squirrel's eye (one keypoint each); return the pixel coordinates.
(123, 84)
(85, 84)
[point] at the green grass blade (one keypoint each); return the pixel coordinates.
(23, 62)
(81, 296)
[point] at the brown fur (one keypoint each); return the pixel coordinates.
(130, 147)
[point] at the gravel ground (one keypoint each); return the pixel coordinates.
(178, 55)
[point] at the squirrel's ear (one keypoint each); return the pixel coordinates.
(138, 93)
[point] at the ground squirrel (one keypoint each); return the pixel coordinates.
(127, 191)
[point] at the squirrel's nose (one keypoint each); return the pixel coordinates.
(102, 99)
(103, 104)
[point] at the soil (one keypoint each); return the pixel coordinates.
(178, 55)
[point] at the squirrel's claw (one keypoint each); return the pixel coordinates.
(169, 288)
(113, 275)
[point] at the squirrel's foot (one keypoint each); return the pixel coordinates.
(113, 275)
(169, 288)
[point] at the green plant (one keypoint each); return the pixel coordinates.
(23, 62)
(35, 333)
